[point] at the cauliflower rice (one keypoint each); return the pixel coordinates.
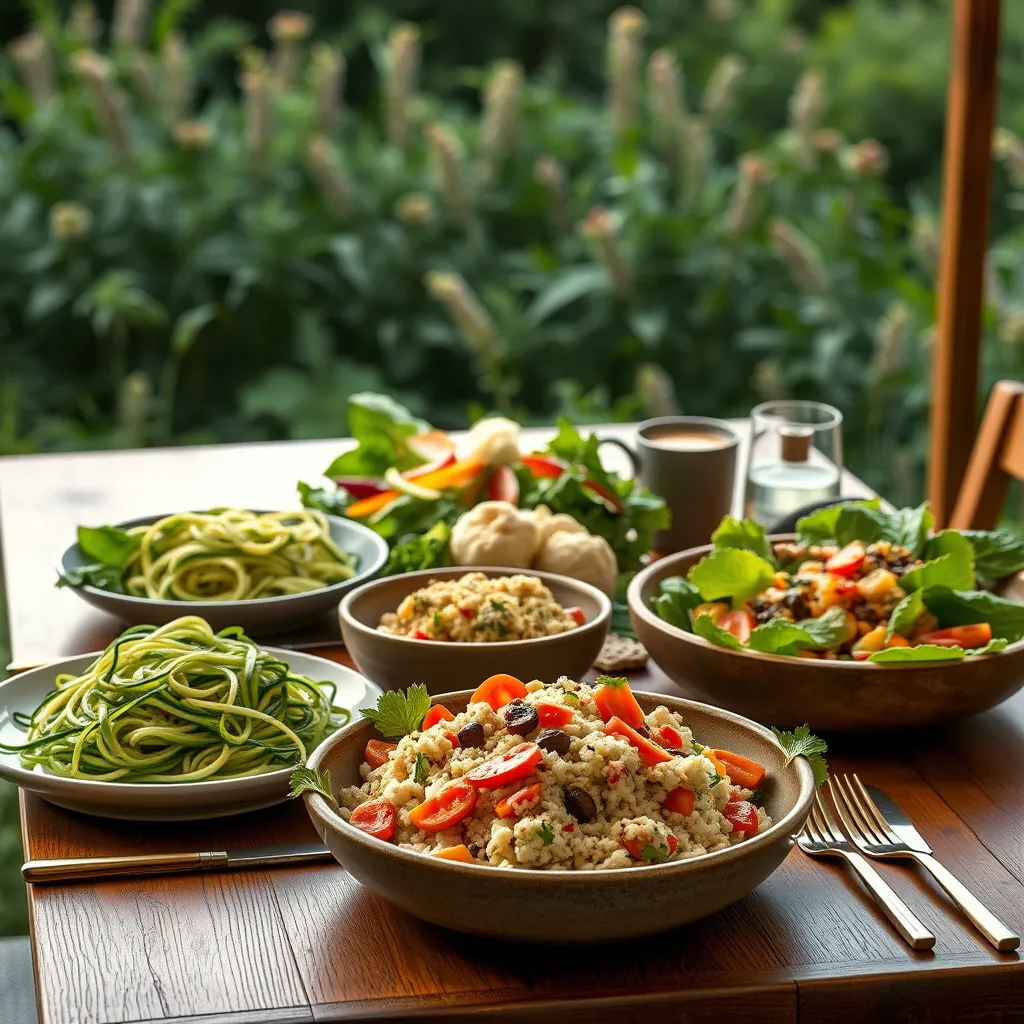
(478, 609)
(626, 795)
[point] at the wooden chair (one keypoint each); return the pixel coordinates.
(996, 458)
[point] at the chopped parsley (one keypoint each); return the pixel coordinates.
(654, 854)
(398, 712)
(714, 779)
(801, 742)
(546, 833)
(438, 621)
(419, 776)
(498, 606)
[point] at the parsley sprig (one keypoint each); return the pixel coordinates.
(801, 742)
(546, 833)
(312, 780)
(399, 713)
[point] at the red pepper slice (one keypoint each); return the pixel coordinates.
(976, 635)
(670, 737)
(503, 485)
(376, 818)
(543, 467)
(578, 615)
(743, 815)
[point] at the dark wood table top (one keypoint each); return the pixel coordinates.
(310, 944)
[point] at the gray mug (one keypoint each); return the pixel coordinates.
(690, 461)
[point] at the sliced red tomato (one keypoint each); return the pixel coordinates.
(543, 466)
(614, 699)
(378, 752)
(862, 655)
(503, 485)
(669, 737)
(579, 616)
(498, 690)
(679, 800)
(361, 486)
(743, 815)
(376, 818)
(511, 766)
(519, 802)
(976, 635)
(553, 716)
(650, 753)
(740, 623)
(438, 713)
(636, 847)
(444, 809)
(848, 560)
(741, 770)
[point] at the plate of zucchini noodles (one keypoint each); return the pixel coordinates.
(173, 722)
(267, 571)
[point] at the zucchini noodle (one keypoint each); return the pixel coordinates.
(229, 554)
(178, 703)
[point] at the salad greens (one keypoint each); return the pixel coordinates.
(109, 548)
(742, 565)
(382, 427)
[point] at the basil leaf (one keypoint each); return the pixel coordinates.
(923, 652)
(731, 572)
(107, 544)
(103, 577)
(331, 500)
(965, 607)
(744, 534)
(707, 630)
(821, 525)
(951, 565)
(780, 636)
(382, 427)
(905, 614)
(676, 598)
(997, 553)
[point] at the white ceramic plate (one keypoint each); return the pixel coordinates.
(183, 801)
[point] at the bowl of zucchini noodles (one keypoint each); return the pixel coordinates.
(173, 722)
(265, 571)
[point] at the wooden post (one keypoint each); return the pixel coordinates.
(970, 116)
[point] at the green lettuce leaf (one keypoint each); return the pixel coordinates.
(865, 521)
(965, 607)
(951, 564)
(910, 527)
(744, 534)
(994, 645)
(923, 652)
(905, 614)
(382, 427)
(780, 636)
(997, 553)
(107, 544)
(707, 630)
(676, 597)
(823, 525)
(426, 551)
(733, 573)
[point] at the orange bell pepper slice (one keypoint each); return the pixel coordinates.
(455, 475)
(460, 853)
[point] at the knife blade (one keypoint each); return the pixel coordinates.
(898, 821)
(82, 869)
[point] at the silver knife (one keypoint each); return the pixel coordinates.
(984, 920)
(83, 869)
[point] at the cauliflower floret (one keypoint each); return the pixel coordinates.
(494, 441)
(495, 533)
(581, 556)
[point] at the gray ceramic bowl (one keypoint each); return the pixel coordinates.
(572, 906)
(264, 616)
(841, 696)
(396, 661)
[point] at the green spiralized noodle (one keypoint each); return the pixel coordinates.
(178, 703)
(229, 554)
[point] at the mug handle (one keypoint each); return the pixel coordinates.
(633, 457)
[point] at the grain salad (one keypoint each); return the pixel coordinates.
(563, 775)
(478, 609)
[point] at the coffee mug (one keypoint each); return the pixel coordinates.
(690, 461)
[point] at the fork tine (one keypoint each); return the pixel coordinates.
(850, 812)
(830, 821)
(872, 808)
(845, 811)
(823, 818)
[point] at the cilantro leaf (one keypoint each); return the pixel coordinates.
(108, 545)
(675, 600)
(399, 713)
(422, 770)
(312, 780)
(997, 553)
(655, 854)
(801, 742)
(731, 572)
(744, 534)
(546, 833)
(427, 551)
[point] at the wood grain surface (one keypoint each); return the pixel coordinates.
(310, 944)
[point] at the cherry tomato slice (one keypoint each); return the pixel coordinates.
(543, 467)
(679, 800)
(743, 816)
(614, 699)
(514, 764)
(670, 737)
(438, 713)
(444, 809)
(740, 623)
(553, 716)
(848, 560)
(499, 690)
(636, 847)
(378, 752)
(376, 818)
(976, 635)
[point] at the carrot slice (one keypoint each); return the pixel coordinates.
(460, 853)
(514, 805)
(741, 770)
(438, 713)
(453, 475)
(650, 753)
(378, 752)
(498, 690)
(614, 699)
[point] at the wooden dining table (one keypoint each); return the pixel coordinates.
(310, 944)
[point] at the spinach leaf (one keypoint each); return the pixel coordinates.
(865, 521)
(731, 572)
(675, 600)
(744, 534)
(997, 553)
(951, 565)
(107, 544)
(707, 630)
(382, 427)
(910, 527)
(964, 607)
(780, 636)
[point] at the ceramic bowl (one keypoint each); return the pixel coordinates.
(263, 616)
(559, 906)
(396, 661)
(840, 696)
(165, 801)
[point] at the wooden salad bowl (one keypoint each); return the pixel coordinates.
(839, 696)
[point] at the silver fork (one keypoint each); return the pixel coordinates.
(874, 834)
(822, 837)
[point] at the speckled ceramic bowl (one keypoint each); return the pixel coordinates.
(839, 696)
(572, 906)
(395, 662)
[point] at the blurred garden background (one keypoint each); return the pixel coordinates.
(220, 219)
